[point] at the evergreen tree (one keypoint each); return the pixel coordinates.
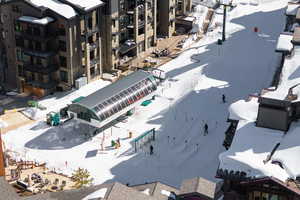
(82, 178)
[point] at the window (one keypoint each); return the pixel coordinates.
(63, 61)
(64, 76)
(20, 70)
(16, 8)
(40, 77)
(38, 46)
(62, 45)
(92, 71)
(19, 55)
(30, 44)
(19, 41)
(90, 23)
(38, 61)
(18, 27)
(114, 23)
(36, 31)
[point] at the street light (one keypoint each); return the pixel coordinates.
(225, 3)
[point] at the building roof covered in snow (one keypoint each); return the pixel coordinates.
(284, 43)
(292, 9)
(55, 6)
(156, 189)
(34, 20)
(114, 191)
(84, 5)
(101, 95)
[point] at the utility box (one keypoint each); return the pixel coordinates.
(80, 82)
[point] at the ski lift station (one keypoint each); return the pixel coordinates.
(115, 100)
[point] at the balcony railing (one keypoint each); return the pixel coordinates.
(40, 68)
(41, 37)
(32, 52)
(91, 31)
(94, 61)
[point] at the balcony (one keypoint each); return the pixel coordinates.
(43, 54)
(94, 61)
(38, 84)
(94, 45)
(91, 31)
(40, 68)
(35, 37)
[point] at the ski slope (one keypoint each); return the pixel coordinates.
(191, 97)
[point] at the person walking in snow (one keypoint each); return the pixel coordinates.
(151, 149)
(223, 98)
(205, 129)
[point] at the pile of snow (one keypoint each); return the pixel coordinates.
(242, 110)
(284, 42)
(3, 124)
(168, 194)
(56, 6)
(207, 3)
(85, 5)
(31, 113)
(12, 93)
(96, 195)
(146, 191)
(200, 14)
(292, 9)
(42, 21)
(288, 152)
(249, 149)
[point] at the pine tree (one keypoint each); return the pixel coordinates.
(82, 178)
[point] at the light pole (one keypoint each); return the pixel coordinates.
(225, 3)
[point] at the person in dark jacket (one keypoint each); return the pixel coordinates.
(151, 149)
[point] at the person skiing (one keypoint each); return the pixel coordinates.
(151, 149)
(205, 129)
(223, 98)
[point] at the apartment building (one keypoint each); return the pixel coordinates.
(130, 29)
(168, 10)
(49, 44)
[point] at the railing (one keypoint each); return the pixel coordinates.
(40, 68)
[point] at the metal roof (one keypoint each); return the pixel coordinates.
(101, 95)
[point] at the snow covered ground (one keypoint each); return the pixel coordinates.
(191, 97)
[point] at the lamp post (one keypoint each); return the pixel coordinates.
(225, 3)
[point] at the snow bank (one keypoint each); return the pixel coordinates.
(242, 110)
(168, 194)
(56, 6)
(31, 113)
(42, 21)
(284, 42)
(289, 151)
(292, 9)
(97, 194)
(200, 14)
(146, 191)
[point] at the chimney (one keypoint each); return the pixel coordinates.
(2, 169)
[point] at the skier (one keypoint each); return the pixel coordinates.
(130, 134)
(205, 129)
(118, 142)
(151, 149)
(223, 98)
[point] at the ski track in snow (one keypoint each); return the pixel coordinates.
(191, 97)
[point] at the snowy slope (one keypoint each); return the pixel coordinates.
(190, 98)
